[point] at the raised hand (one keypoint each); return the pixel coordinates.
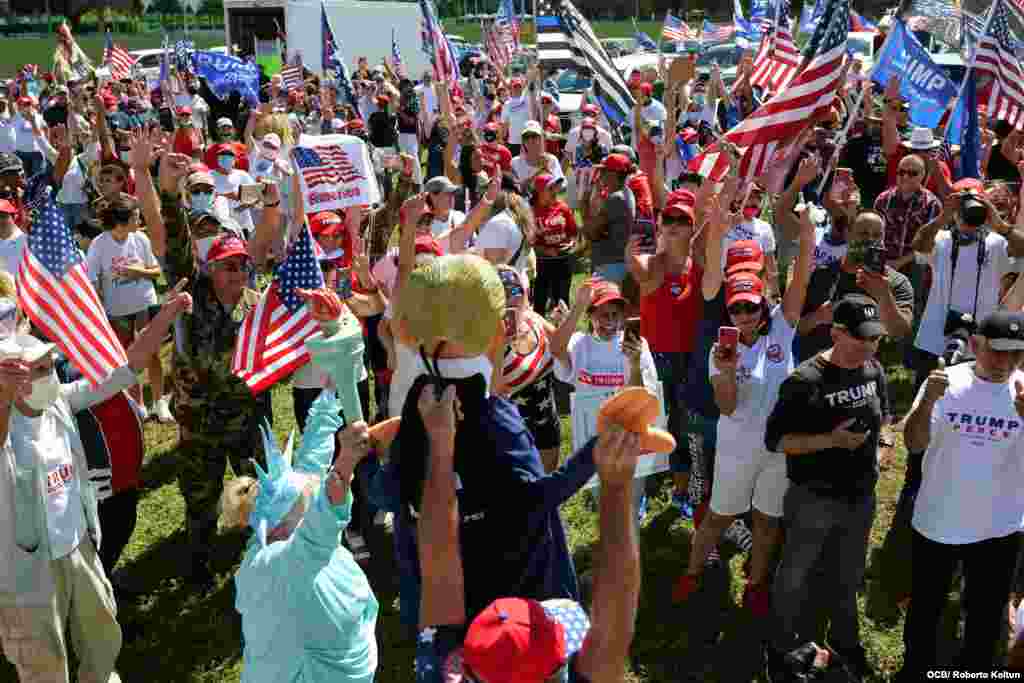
(178, 300)
(324, 304)
(439, 414)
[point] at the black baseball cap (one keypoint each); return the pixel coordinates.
(1004, 330)
(858, 314)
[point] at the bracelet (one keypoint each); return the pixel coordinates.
(271, 206)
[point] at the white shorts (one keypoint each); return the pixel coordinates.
(748, 476)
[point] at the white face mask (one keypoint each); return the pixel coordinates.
(269, 154)
(125, 155)
(44, 392)
(226, 162)
(657, 140)
(203, 247)
(201, 201)
(588, 135)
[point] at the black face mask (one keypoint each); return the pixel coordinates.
(973, 212)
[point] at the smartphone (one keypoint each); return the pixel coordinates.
(648, 241)
(728, 339)
(633, 328)
(874, 258)
(842, 184)
(343, 283)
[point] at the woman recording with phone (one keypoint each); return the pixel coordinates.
(748, 364)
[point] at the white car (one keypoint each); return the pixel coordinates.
(862, 44)
(148, 61)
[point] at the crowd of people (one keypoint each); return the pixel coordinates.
(754, 311)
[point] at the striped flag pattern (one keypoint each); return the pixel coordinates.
(496, 47)
(118, 59)
(676, 30)
(763, 136)
(271, 341)
(55, 292)
(436, 45)
(777, 61)
(291, 75)
(565, 39)
(717, 33)
(995, 56)
(508, 25)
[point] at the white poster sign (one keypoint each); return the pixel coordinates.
(584, 406)
(335, 172)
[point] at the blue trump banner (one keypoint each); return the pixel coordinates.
(225, 75)
(923, 84)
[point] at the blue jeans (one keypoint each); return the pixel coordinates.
(611, 272)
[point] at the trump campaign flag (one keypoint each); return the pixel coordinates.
(335, 172)
(923, 84)
(271, 343)
(55, 292)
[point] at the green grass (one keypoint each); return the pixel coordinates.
(181, 636)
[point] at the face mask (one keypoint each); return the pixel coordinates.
(193, 91)
(201, 201)
(185, 123)
(226, 162)
(657, 140)
(698, 101)
(125, 155)
(44, 392)
(203, 247)
(751, 212)
(270, 154)
(588, 135)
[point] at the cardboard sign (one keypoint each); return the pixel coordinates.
(584, 406)
(683, 70)
(335, 172)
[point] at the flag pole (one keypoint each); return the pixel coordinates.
(970, 68)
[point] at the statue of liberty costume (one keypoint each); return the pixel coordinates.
(308, 613)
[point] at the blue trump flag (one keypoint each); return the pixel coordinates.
(923, 84)
(970, 141)
(644, 40)
(226, 74)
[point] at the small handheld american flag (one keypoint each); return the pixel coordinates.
(118, 59)
(291, 75)
(55, 292)
(676, 30)
(271, 342)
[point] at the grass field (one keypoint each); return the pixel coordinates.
(177, 636)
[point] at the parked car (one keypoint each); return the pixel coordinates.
(620, 47)
(572, 87)
(862, 43)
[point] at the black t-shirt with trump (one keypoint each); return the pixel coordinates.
(816, 399)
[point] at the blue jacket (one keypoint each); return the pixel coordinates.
(512, 538)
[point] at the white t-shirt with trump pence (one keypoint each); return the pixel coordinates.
(600, 365)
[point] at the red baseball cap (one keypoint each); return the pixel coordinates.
(226, 246)
(969, 185)
(356, 124)
(383, 99)
(590, 110)
(743, 287)
(24, 101)
(514, 640)
(544, 181)
(605, 293)
(326, 224)
(744, 255)
(617, 163)
(516, 83)
(7, 207)
(109, 101)
(426, 244)
(184, 111)
(689, 135)
(588, 122)
(681, 202)
(492, 127)
(646, 89)
(223, 148)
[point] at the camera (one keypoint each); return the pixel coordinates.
(959, 327)
(972, 211)
(874, 258)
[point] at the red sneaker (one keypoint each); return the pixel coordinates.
(757, 600)
(686, 585)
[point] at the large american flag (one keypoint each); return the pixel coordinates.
(676, 30)
(777, 60)
(507, 25)
(495, 45)
(325, 164)
(762, 136)
(332, 61)
(271, 342)
(118, 59)
(717, 33)
(55, 292)
(436, 45)
(995, 56)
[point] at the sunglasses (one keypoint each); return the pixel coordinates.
(744, 307)
(908, 172)
(233, 267)
(676, 219)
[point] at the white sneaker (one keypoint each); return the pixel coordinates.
(163, 411)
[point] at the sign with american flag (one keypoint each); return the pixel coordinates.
(996, 58)
(55, 292)
(335, 172)
(271, 341)
(777, 123)
(118, 59)
(676, 30)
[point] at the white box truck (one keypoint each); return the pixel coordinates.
(362, 29)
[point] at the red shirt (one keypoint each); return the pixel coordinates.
(894, 164)
(553, 126)
(556, 226)
(241, 156)
(186, 141)
(669, 315)
(496, 156)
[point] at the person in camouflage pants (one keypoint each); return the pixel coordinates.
(217, 414)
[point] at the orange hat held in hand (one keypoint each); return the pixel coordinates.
(635, 409)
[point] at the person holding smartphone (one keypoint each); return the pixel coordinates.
(748, 365)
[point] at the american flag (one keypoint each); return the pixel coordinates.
(271, 342)
(182, 50)
(508, 25)
(763, 135)
(291, 75)
(442, 55)
(717, 33)
(331, 59)
(777, 61)
(118, 59)
(325, 164)
(995, 56)
(55, 292)
(496, 47)
(676, 30)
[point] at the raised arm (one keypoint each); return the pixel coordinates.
(142, 161)
(413, 209)
(617, 574)
(890, 118)
(560, 339)
(924, 240)
(796, 294)
(717, 225)
(269, 226)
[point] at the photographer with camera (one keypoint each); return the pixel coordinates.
(969, 422)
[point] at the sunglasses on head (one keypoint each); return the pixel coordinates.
(744, 307)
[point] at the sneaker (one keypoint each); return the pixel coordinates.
(163, 411)
(686, 585)
(681, 502)
(756, 600)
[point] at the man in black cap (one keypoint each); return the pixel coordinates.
(969, 421)
(827, 421)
